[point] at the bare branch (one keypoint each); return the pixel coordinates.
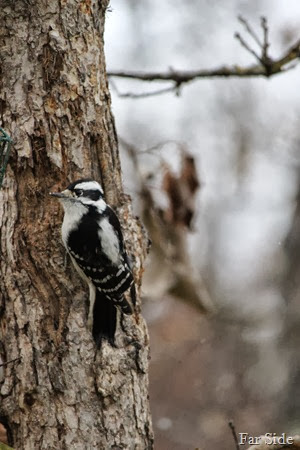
(247, 47)
(277, 66)
(232, 427)
(173, 88)
(250, 30)
(264, 58)
(266, 45)
(149, 150)
(265, 67)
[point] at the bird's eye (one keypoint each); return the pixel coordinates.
(78, 192)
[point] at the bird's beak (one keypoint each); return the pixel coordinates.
(64, 194)
(57, 194)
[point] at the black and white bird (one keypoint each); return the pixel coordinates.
(92, 235)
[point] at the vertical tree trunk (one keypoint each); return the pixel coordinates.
(58, 392)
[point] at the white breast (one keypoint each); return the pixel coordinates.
(73, 214)
(109, 241)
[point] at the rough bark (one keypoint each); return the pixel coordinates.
(58, 391)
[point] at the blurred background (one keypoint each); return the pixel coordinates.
(214, 174)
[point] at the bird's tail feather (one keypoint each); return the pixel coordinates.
(104, 319)
(126, 304)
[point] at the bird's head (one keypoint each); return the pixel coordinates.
(81, 192)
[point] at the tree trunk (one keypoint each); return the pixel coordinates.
(58, 391)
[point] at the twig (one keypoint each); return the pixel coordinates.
(143, 94)
(252, 33)
(265, 59)
(232, 427)
(247, 47)
(250, 30)
(266, 45)
(152, 149)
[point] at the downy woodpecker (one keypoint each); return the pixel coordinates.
(92, 235)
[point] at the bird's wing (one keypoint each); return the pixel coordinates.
(90, 250)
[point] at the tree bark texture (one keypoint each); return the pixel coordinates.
(57, 391)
